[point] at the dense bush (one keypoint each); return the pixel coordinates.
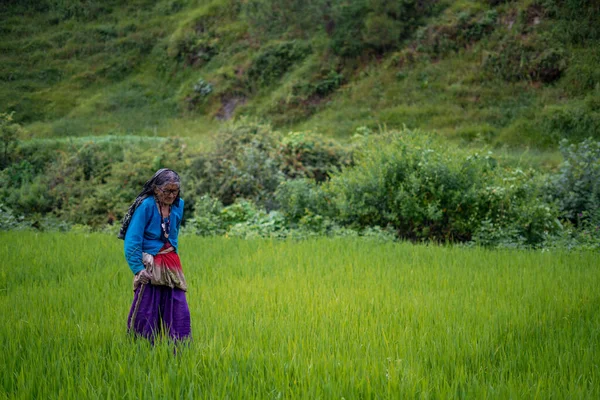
(240, 219)
(576, 187)
(245, 219)
(374, 24)
(576, 20)
(348, 26)
(307, 155)
(9, 132)
(274, 61)
(512, 215)
(529, 59)
(243, 164)
(426, 190)
(8, 220)
(87, 182)
(574, 121)
(250, 160)
(456, 34)
(257, 182)
(352, 26)
(302, 199)
(92, 181)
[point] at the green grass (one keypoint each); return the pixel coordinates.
(125, 72)
(312, 319)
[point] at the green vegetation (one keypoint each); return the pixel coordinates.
(253, 181)
(319, 318)
(504, 73)
(413, 119)
(356, 126)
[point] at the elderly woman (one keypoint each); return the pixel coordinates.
(150, 230)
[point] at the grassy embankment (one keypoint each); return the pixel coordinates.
(320, 318)
(131, 68)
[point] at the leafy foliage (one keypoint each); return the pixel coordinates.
(574, 122)
(425, 190)
(258, 182)
(577, 19)
(576, 187)
(88, 183)
(377, 25)
(530, 59)
(274, 61)
(250, 161)
(243, 164)
(308, 155)
(9, 134)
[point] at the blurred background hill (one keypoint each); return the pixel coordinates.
(500, 72)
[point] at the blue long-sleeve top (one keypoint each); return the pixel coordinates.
(144, 233)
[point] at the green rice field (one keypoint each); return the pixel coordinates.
(314, 319)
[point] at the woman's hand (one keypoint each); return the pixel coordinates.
(143, 277)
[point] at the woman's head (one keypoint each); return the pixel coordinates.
(166, 185)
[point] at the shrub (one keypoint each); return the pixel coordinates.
(289, 18)
(319, 85)
(533, 59)
(307, 155)
(382, 32)
(250, 161)
(125, 177)
(198, 39)
(200, 91)
(206, 220)
(572, 121)
(576, 187)
(240, 219)
(9, 221)
(512, 214)
(60, 10)
(576, 20)
(374, 24)
(456, 34)
(9, 134)
(583, 75)
(243, 164)
(83, 182)
(426, 190)
(301, 197)
(348, 19)
(302, 97)
(31, 198)
(274, 61)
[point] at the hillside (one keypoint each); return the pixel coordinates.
(498, 72)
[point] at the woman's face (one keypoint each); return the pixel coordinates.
(167, 193)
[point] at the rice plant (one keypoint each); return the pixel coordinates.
(321, 318)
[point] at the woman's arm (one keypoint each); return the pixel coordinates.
(177, 214)
(134, 238)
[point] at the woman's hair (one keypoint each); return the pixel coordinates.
(162, 177)
(165, 177)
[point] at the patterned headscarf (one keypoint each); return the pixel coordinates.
(157, 180)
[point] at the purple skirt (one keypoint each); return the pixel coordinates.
(157, 309)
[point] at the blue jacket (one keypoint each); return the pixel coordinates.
(144, 232)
